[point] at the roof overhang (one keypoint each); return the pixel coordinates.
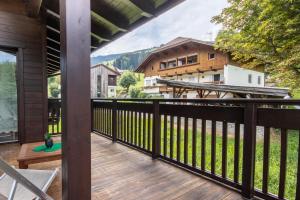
(109, 21)
(267, 91)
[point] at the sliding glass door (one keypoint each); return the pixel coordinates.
(8, 97)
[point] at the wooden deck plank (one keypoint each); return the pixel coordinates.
(119, 172)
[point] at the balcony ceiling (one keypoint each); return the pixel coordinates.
(109, 20)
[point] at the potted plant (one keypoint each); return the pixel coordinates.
(48, 140)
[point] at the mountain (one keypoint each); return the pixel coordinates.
(124, 61)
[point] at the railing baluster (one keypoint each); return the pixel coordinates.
(171, 136)
(144, 130)
(139, 130)
(266, 159)
(114, 125)
(149, 131)
(194, 142)
(236, 152)
(186, 139)
(131, 127)
(178, 137)
(165, 134)
(224, 150)
(213, 147)
(203, 143)
(283, 158)
(135, 128)
(127, 125)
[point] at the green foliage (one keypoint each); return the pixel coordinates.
(8, 86)
(131, 60)
(135, 92)
(127, 79)
(54, 87)
(263, 33)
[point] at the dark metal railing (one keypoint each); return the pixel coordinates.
(225, 140)
(54, 116)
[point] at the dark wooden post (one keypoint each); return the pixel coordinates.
(156, 130)
(114, 121)
(75, 40)
(250, 117)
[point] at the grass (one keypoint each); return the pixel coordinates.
(274, 168)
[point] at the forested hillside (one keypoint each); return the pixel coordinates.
(124, 61)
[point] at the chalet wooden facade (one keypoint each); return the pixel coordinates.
(103, 81)
(52, 36)
(194, 61)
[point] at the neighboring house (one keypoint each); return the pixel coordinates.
(191, 60)
(103, 81)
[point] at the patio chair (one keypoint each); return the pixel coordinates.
(23, 184)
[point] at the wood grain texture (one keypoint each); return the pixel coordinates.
(26, 35)
(119, 172)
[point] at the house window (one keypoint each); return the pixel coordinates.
(192, 59)
(163, 65)
(211, 56)
(112, 90)
(249, 78)
(259, 80)
(172, 63)
(148, 82)
(112, 80)
(99, 86)
(181, 61)
(217, 77)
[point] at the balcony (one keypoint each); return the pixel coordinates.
(178, 144)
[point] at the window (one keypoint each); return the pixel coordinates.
(99, 84)
(112, 90)
(217, 77)
(181, 61)
(8, 97)
(249, 78)
(112, 80)
(192, 59)
(148, 83)
(191, 79)
(172, 63)
(211, 56)
(259, 80)
(163, 65)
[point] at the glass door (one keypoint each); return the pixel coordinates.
(8, 97)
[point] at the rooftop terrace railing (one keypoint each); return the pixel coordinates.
(249, 145)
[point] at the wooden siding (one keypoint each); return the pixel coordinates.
(104, 73)
(203, 63)
(26, 34)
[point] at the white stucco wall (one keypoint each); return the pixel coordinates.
(239, 76)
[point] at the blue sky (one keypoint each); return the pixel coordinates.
(189, 19)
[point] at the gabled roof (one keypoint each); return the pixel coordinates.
(113, 70)
(179, 41)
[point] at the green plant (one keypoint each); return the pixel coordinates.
(47, 136)
(127, 79)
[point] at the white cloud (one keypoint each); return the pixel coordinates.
(189, 19)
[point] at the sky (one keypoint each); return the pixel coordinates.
(189, 19)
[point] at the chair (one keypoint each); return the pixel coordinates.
(23, 184)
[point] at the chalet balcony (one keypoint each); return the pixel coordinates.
(193, 149)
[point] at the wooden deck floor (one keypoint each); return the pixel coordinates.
(119, 172)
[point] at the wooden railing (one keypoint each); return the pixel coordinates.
(54, 116)
(249, 145)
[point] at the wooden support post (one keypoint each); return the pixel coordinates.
(114, 121)
(75, 40)
(249, 150)
(156, 130)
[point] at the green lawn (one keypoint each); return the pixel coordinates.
(292, 156)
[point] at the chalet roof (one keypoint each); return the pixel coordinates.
(109, 20)
(268, 91)
(113, 70)
(179, 41)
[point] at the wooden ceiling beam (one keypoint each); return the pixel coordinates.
(53, 66)
(53, 61)
(53, 45)
(147, 7)
(33, 7)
